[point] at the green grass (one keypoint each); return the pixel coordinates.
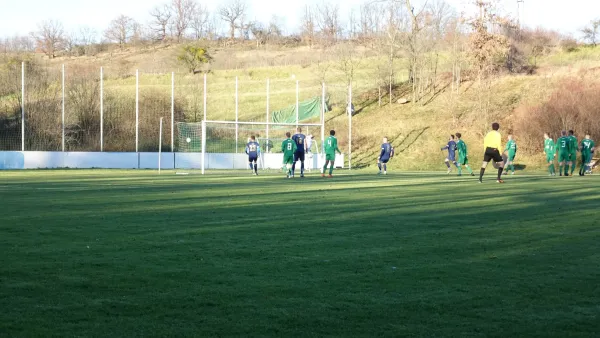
(131, 253)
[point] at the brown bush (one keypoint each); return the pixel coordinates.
(574, 105)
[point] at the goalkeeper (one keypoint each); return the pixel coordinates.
(253, 151)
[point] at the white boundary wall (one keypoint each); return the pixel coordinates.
(88, 160)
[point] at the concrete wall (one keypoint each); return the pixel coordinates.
(88, 160)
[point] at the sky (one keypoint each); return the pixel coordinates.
(22, 16)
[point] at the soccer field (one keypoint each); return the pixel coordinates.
(131, 253)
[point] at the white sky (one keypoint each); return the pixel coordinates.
(22, 16)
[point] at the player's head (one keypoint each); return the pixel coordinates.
(299, 130)
(563, 133)
(385, 139)
(587, 135)
(253, 138)
(451, 137)
(332, 132)
(458, 135)
(546, 135)
(510, 136)
(288, 135)
(495, 126)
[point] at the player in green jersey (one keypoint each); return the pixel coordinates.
(573, 152)
(331, 148)
(288, 147)
(563, 149)
(463, 158)
(587, 147)
(550, 150)
(510, 151)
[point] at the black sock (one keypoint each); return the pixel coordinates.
(481, 172)
(255, 167)
(379, 165)
(302, 168)
(384, 167)
(293, 167)
(500, 170)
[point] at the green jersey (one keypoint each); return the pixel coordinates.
(587, 146)
(511, 147)
(563, 145)
(549, 147)
(288, 147)
(331, 145)
(461, 146)
(574, 144)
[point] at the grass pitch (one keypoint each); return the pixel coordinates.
(129, 253)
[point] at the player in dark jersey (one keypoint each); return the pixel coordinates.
(387, 152)
(299, 155)
(253, 150)
(451, 147)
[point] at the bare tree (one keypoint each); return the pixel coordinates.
(591, 32)
(232, 12)
(161, 19)
(183, 13)
(328, 21)
(370, 15)
(121, 30)
(307, 28)
(199, 22)
(50, 37)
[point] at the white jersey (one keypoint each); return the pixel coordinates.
(308, 143)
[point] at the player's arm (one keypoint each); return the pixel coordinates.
(247, 150)
(446, 147)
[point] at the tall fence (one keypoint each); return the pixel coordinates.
(79, 108)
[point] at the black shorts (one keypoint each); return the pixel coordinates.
(384, 160)
(299, 155)
(252, 158)
(492, 154)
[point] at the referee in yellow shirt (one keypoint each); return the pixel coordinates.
(492, 144)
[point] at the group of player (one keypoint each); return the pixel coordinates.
(457, 145)
(295, 148)
(565, 151)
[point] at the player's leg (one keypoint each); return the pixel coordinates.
(385, 166)
(459, 166)
(482, 170)
(500, 162)
(331, 168)
(325, 166)
(255, 166)
(447, 162)
(302, 155)
(294, 163)
(379, 166)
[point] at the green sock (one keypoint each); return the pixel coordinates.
(560, 169)
(512, 168)
(324, 169)
(469, 169)
(460, 170)
(331, 169)
(566, 169)
(573, 168)
(553, 168)
(550, 169)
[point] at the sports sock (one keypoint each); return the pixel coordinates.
(567, 169)
(500, 170)
(573, 168)
(302, 168)
(325, 168)
(250, 164)
(553, 168)
(512, 168)
(469, 169)
(255, 167)
(384, 167)
(447, 164)
(560, 169)
(460, 170)
(293, 166)
(550, 169)
(331, 169)
(455, 164)
(481, 172)
(379, 165)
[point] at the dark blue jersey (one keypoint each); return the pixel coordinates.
(300, 139)
(386, 151)
(252, 148)
(451, 146)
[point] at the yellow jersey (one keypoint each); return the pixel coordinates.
(493, 140)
